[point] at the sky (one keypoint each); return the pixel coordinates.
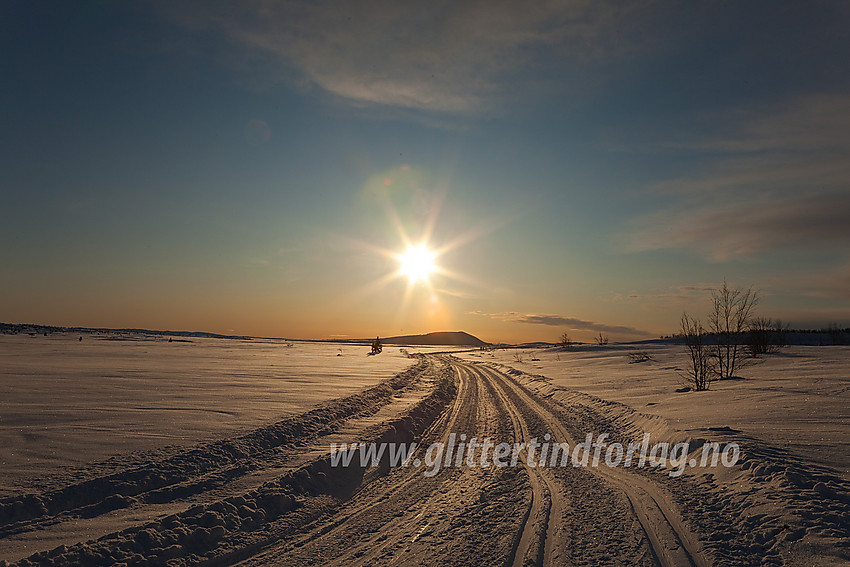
(257, 167)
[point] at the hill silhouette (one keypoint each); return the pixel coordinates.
(441, 338)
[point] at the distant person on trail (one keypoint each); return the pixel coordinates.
(376, 346)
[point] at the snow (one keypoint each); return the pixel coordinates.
(798, 399)
(785, 502)
(67, 403)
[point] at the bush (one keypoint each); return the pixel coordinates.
(836, 334)
(638, 357)
(765, 336)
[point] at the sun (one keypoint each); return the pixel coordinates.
(417, 263)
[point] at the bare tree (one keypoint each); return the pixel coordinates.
(700, 372)
(565, 340)
(729, 318)
(601, 339)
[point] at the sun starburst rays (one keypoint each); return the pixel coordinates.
(430, 287)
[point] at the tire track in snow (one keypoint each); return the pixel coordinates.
(671, 541)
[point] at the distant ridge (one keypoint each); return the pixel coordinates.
(441, 338)
(30, 328)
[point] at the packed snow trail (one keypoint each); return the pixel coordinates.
(462, 512)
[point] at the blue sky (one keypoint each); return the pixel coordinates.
(580, 166)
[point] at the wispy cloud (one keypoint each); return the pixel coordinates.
(833, 285)
(777, 180)
(671, 298)
(743, 226)
(562, 321)
(438, 56)
(816, 122)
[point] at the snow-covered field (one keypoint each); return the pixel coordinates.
(249, 479)
(786, 500)
(798, 399)
(65, 403)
